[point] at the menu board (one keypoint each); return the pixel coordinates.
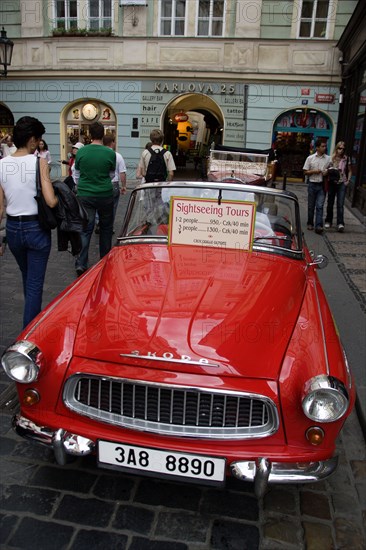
(204, 222)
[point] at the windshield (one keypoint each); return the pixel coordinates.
(276, 223)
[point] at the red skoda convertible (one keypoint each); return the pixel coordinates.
(200, 347)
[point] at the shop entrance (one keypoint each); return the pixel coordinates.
(192, 122)
(294, 135)
(76, 120)
(6, 121)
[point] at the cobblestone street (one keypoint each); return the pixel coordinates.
(79, 506)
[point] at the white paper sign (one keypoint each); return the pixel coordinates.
(204, 222)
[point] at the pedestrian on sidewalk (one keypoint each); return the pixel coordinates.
(316, 168)
(70, 180)
(7, 146)
(165, 170)
(95, 167)
(43, 152)
(339, 176)
(118, 181)
(28, 242)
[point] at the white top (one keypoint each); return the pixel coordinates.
(44, 155)
(18, 180)
(120, 167)
(317, 162)
(6, 150)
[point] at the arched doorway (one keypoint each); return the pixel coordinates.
(294, 135)
(76, 119)
(191, 122)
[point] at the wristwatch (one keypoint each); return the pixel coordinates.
(89, 111)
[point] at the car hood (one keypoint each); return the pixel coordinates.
(192, 309)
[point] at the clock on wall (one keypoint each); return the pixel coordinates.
(89, 111)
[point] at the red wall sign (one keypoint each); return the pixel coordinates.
(324, 98)
(305, 91)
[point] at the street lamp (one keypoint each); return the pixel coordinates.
(6, 51)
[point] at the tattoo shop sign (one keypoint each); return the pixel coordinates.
(204, 222)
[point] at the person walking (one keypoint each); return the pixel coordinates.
(157, 140)
(119, 180)
(43, 152)
(95, 167)
(28, 242)
(315, 168)
(7, 146)
(339, 176)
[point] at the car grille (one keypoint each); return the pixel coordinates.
(171, 410)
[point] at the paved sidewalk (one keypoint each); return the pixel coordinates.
(46, 507)
(344, 282)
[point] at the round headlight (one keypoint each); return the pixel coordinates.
(21, 362)
(325, 399)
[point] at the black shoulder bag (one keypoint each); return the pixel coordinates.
(46, 215)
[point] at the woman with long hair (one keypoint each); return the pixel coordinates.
(339, 176)
(43, 152)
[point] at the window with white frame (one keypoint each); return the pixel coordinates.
(172, 17)
(92, 14)
(66, 14)
(100, 14)
(210, 18)
(314, 18)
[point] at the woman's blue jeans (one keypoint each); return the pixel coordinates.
(104, 207)
(31, 247)
(339, 191)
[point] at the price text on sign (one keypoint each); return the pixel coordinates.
(203, 222)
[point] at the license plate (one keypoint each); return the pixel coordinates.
(163, 463)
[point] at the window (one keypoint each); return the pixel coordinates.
(100, 14)
(92, 14)
(172, 17)
(314, 19)
(66, 14)
(210, 20)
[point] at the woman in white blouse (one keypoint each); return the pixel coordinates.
(28, 242)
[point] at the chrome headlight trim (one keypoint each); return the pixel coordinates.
(325, 399)
(22, 362)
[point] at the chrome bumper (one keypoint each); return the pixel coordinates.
(62, 442)
(263, 471)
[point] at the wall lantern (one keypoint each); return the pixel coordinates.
(6, 51)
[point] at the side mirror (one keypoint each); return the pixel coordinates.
(319, 261)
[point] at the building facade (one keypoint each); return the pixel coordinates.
(352, 116)
(245, 73)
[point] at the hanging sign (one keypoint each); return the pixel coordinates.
(204, 222)
(181, 117)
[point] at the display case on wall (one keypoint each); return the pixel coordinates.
(81, 115)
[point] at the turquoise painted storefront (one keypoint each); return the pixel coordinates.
(138, 106)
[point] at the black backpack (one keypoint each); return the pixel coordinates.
(156, 169)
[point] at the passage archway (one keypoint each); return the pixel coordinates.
(191, 123)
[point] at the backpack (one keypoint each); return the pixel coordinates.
(156, 169)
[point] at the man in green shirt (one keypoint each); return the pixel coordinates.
(94, 170)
